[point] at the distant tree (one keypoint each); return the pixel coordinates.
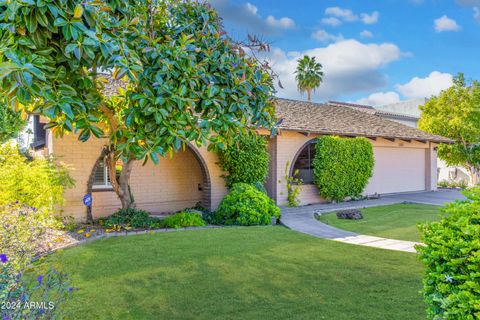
(185, 81)
(455, 113)
(11, 123)
(309, 75)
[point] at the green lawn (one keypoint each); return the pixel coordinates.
(239, 273)
(398, 221)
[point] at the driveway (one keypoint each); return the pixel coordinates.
(302, 219)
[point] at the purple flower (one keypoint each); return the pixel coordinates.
(3, 258)
(40, 278)
(70, 289)
(7, 318)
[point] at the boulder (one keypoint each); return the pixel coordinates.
(352, 214)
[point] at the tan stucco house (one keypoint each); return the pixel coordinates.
(405, 161)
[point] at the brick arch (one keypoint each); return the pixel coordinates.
(206, 188)
(91, 179)
(207, 183)
(292, 164)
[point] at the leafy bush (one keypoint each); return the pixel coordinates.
(130, 217)
(444, 184)
(342, 166)
(30, 190)
(10, 123)
(184, 219)
(246, 206)
(22, 232)
(461, 184)
(16, 293)
(38, 183)
(246, 161)
(294, 186)
(452, 260)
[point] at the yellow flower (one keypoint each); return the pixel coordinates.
(50, 244)
(80, 231)
(92, 230)
(88, 235)
(108, 230)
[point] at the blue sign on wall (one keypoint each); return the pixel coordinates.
(87, 200)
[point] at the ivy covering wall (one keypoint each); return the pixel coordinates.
(342, 166)
(246, 161)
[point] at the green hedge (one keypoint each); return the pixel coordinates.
(183, 220)
(452, 260)
(245, 205)
(342, 166)
(246, 161)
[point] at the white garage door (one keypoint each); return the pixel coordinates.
(397, 170)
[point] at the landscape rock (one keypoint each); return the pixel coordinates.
(352, 214)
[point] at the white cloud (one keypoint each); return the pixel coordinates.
(331, 21)
(251, 8)
(283, 23)
(366, 34)
(425, 87)
(344, 14)
(370, 18)
(247, 15)
(349, 66)
(444, 23)
(380, 99)
(322, 35)
(476, 13)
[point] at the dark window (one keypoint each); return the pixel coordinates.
(39, 133)
(101, 179)
(303, 168)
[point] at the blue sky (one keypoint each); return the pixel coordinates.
(373, 52)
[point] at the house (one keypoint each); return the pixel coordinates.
(408, 113)
(405, 161)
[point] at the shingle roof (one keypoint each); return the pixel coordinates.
(329, 119)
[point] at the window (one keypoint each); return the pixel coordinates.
(303, 164)
(101, 179)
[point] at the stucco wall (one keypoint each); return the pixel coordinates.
(169, 186)
(389, 176)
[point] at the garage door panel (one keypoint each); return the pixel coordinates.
(397, 170)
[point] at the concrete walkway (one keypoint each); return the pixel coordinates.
(302, 218)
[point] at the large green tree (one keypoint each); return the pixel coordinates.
(185, 80)
(309, 75)
(455, 113)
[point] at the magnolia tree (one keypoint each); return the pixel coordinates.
(455, 113)
(184, 79)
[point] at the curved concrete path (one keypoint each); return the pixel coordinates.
(302, 218)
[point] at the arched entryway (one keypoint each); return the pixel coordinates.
(302, 163)
(175, 183)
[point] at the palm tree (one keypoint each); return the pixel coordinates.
(309, 75)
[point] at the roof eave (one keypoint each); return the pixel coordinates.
(351, 134)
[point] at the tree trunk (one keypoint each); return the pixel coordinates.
(309, 94)
(121, 185)
(473, 175)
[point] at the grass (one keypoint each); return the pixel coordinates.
(398, 221)
(239, 273)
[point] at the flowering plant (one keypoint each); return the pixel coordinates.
(31, 299)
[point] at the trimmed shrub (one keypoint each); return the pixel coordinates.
(246, 161)
(452, 260)
(342, 166)
(132, 217)
(183, 220)
(246, 206)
